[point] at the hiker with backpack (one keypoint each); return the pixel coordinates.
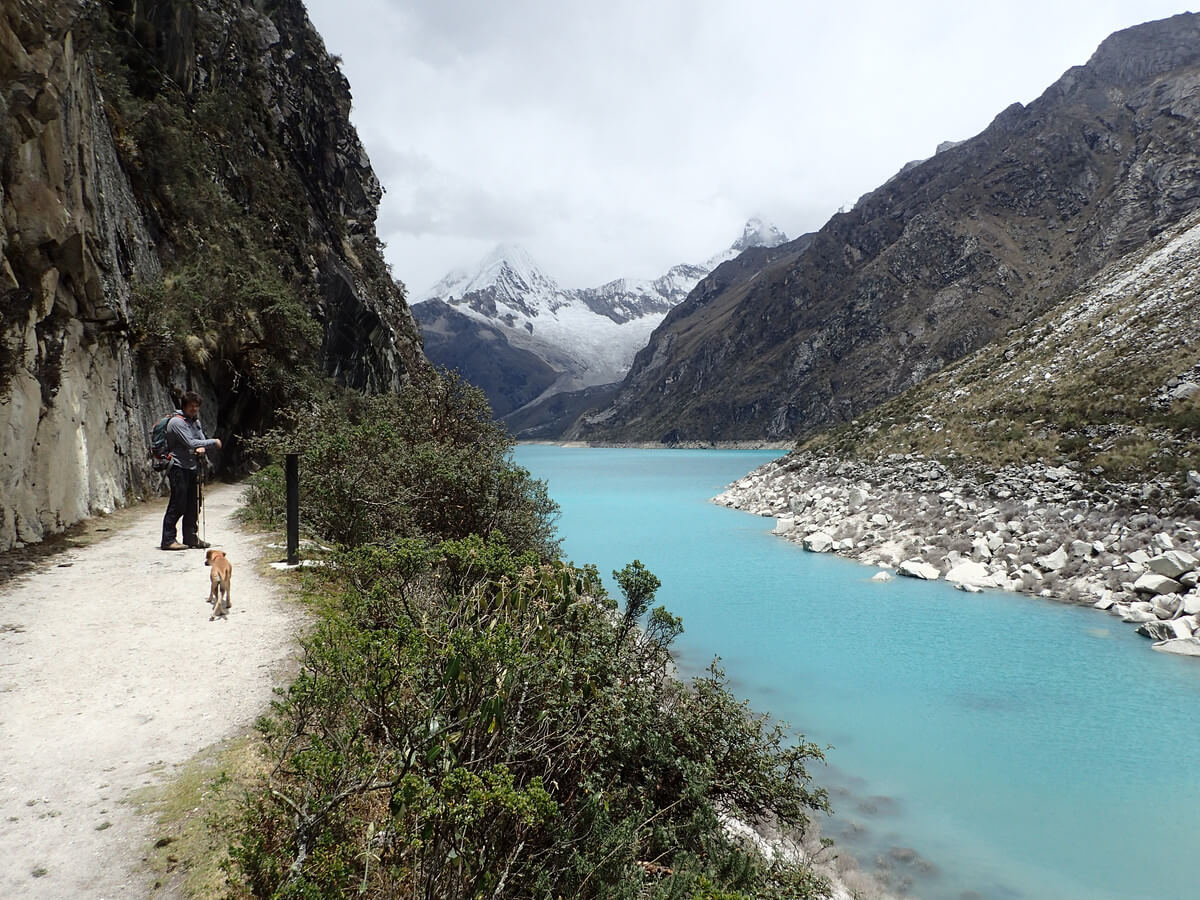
(178, 441)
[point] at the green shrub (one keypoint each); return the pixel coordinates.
(429, 462)
(475, 723)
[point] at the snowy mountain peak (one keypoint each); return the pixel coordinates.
(508, 268)
(758, 233)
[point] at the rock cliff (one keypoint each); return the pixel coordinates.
(944, 257)
(184, 205)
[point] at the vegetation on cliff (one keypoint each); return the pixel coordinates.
(476, 717)
(1106, 381)
(250, 211)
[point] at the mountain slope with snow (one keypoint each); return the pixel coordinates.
(509, 328)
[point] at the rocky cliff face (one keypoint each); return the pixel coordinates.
(944, 257)
(140, 250)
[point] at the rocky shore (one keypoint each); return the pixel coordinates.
(1132, 550)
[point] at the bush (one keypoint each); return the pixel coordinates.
(478, 723)
(429, 462)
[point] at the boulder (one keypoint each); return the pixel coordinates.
(1141, 557)
(879, 519)
(818, 542)
(981, 549)
(1153, 583)
(1190, 605)
(882, 576)
(1157, 631)
(918, 568)
(1184, 646)
(856, 498)
(1052, 562)
(1081, 548)
(1182, 628)
(1137, 616)
(1173, 563)
(970, 573)
(1105, 602)
(1166, 606)
(1163, 541)
(1184, 390)
(784, 524)
(969, 588)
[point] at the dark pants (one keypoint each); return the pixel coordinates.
(184, 502)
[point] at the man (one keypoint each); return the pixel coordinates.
(185, 443)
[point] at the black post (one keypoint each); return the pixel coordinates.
(293, 509)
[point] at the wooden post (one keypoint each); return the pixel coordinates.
(293, 509)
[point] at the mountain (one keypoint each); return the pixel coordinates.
(510, 329)
(1107, 381)
(949, 254)
(185, 205)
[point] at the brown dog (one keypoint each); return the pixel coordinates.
(222, 572)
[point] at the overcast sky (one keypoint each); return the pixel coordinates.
(616, 138)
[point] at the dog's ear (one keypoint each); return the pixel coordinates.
(208, 557)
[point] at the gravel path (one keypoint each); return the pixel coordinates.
(111, 677)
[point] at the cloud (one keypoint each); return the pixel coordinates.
(622, 137)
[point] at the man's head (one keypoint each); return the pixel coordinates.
(189, 403)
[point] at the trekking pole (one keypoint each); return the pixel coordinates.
(200, 469)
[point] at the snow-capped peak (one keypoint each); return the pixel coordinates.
(758, 233)
(508, 267)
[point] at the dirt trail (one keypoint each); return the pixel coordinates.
(112, 676)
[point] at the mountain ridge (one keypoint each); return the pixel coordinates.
(943, 257)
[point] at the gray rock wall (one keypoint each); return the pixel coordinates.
(74, 410)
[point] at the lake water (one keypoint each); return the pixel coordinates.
(981, 745)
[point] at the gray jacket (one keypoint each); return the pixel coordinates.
(183, 437)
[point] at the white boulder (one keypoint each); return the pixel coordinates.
(1052, 562)
(818, 542)
(1173, 563)
(1185, 646)
(784, 524)
(970, 573)
(918, 568)
(1153, 583)
(882, 576)
(1081, 548)
(1163, 541)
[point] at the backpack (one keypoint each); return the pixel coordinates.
(160, 456)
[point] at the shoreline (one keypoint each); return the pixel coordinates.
(1032, 529)
(658, 445)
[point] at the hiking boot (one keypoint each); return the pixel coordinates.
(199, 544)
(174, 545)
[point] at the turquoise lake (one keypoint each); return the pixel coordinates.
(980, 745)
